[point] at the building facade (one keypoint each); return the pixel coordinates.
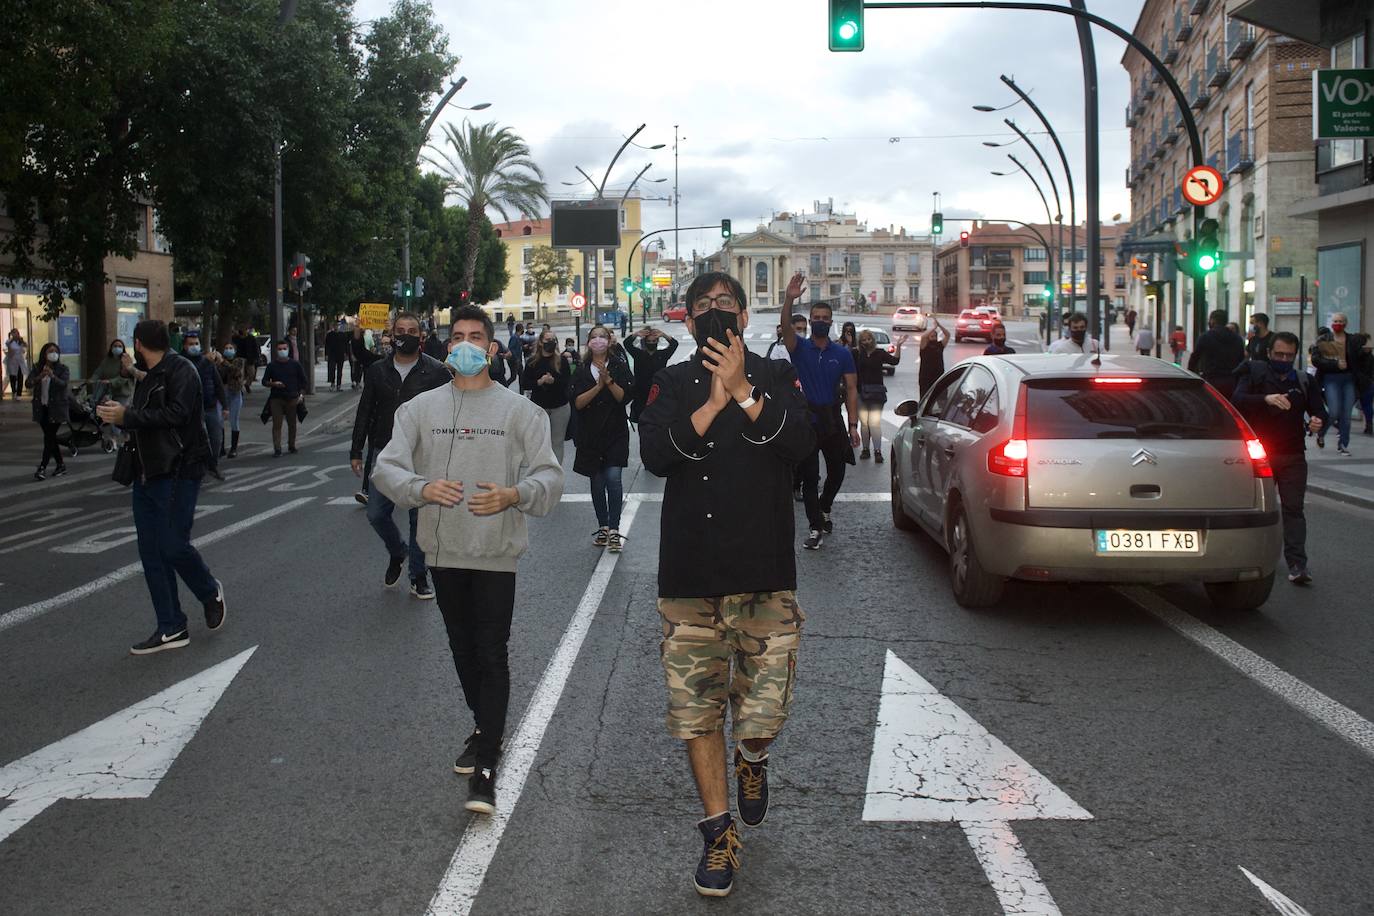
(1342, 201)
(1249, 91)
(845, 263)
(135, 288)
(1009, 267)
(599, 278)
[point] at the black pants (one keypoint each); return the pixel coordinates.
(1290, 479)
(355, 372)
(16, 386)
(833, 448)
(51, 450)
(477, 606)
(336, 364)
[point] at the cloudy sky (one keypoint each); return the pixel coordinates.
(771, 120)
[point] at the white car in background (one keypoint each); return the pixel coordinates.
(908, 318)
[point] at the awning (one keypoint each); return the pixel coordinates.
(1300, 19)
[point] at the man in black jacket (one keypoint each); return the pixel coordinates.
(1282, 406)
(1218, 354)
(166, 423)
(337, 346)
(389, 383)
(726, 428)
(649, 354)
(213, 397)
(1257, 346)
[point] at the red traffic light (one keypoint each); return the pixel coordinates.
(463, 296)
(298, 272)
(963, 240)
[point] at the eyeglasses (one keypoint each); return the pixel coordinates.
(725, 302)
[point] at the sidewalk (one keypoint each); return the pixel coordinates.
(1347, 480)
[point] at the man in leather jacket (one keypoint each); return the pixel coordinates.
(389, 383)
(166, 424)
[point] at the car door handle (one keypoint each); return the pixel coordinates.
(949, 450)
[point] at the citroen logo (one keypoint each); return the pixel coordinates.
(1143, 456)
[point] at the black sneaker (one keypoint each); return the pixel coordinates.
(159, 641)
(215, 608)
(719, 857)
(826, 524)
(419, 588)
(360, 498)
(1300, 576)
(276, 453)
(467, 761)
(864, 455)
(292, 449)
(877, 457)
(482, 792)
(814, 540)
(393, 571)
(62, 470)
(751, 789)
(40, 474)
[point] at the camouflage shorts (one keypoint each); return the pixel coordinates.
(759, 632)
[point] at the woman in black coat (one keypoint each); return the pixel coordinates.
(49, 380)
(601, 388)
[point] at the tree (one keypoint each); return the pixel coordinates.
(549, 269)
(489, 166)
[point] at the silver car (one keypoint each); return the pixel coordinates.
(1052, 468)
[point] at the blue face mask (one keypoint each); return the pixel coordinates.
(230, 352)
(1284, 367)
(193, 350)
(53, 356)
(467, 359)
(116, 351)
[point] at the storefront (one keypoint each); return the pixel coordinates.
(131, 307)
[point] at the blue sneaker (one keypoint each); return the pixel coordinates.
(751, 789)
(719, 858)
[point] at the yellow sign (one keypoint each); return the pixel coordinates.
(372, 316)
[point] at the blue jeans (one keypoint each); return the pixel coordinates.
(1339, 388)
(214, 426)
(379, 510)
(164, 509)
(235, 405)
(607, 496)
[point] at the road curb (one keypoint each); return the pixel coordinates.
(1351, 496)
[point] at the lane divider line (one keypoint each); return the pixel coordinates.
(468, 868)
(1306, 699)
(39, 608)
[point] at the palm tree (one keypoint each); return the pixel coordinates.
(489, 166)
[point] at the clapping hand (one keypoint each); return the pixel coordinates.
(446, 493)
(494, 499)
(726, 363)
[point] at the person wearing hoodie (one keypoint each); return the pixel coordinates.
(474, 458)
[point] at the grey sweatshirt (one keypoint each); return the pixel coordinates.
(490, 435)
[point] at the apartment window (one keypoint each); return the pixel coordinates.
(853, 264)
(529, 288)
(1034, 254)
(889, 264)
(160, 242)
(141, 233)
(1250, 108)
(913, 293)
(815, 292)
(913, 264)
(834, 290)
(815, 265)
(887, 293)
(1346, 54)
(834, 258)
(1032, 277)
(525, 255)
(623, 221)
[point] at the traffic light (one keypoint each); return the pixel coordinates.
(397, 290)
(1049, 292)
(1208, 252)
(725, 228)
(300, 274)
(1139, 269)
(628, 285)
(846, 25)
(419, 287)
(937, 224)
(463, 297)
(963, 240)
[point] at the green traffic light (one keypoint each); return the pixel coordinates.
(848, 29)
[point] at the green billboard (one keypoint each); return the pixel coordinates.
(1342, 104)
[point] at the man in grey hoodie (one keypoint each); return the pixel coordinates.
(475, 459)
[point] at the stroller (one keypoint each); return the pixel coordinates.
(83, 429)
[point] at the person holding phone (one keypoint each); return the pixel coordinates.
(48, 380)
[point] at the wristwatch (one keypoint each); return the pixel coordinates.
(754, 394)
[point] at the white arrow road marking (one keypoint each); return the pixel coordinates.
(123, 756)
(933, 762)
(102, 541)
(254, 480)
(470, 862)
(321, 478)
(39, 608)
(1281, 902)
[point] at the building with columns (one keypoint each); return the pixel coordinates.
(844, 261)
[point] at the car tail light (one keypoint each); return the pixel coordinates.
(1254, 448)
(1012, 457)
(1115, 380)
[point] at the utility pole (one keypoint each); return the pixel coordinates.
(934, 257)
(1093, 275)
(677, 252)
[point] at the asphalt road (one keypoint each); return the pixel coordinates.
(319, 780)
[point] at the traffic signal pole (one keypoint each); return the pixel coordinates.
(630, 258)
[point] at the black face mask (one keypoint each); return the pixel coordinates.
(549, 346)
(1078, 336)
(651, 343)
(406, 344)
(820, 329)
(713, 323)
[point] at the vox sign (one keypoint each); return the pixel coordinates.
(1342, 104)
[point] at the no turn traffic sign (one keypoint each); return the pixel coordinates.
(1202, 185)
(578, 302)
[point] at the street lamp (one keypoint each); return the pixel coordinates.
(1049, 309)
(1058, 206)
(990, 108)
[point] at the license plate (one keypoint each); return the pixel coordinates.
(1129, 541)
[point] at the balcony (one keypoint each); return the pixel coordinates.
(1168, 51)
(1130, 179)
(1240, 39)
(1218, 69)
(1183, 26)
(834, 270)
(1240, 151)
(1156, 77)
(1198, 7)
(1198, 97)
(1131, 112)
(1171, 136)
(1214, 161)
(1180, 205)
(1147, 90)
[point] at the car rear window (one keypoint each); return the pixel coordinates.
(1151, 409)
